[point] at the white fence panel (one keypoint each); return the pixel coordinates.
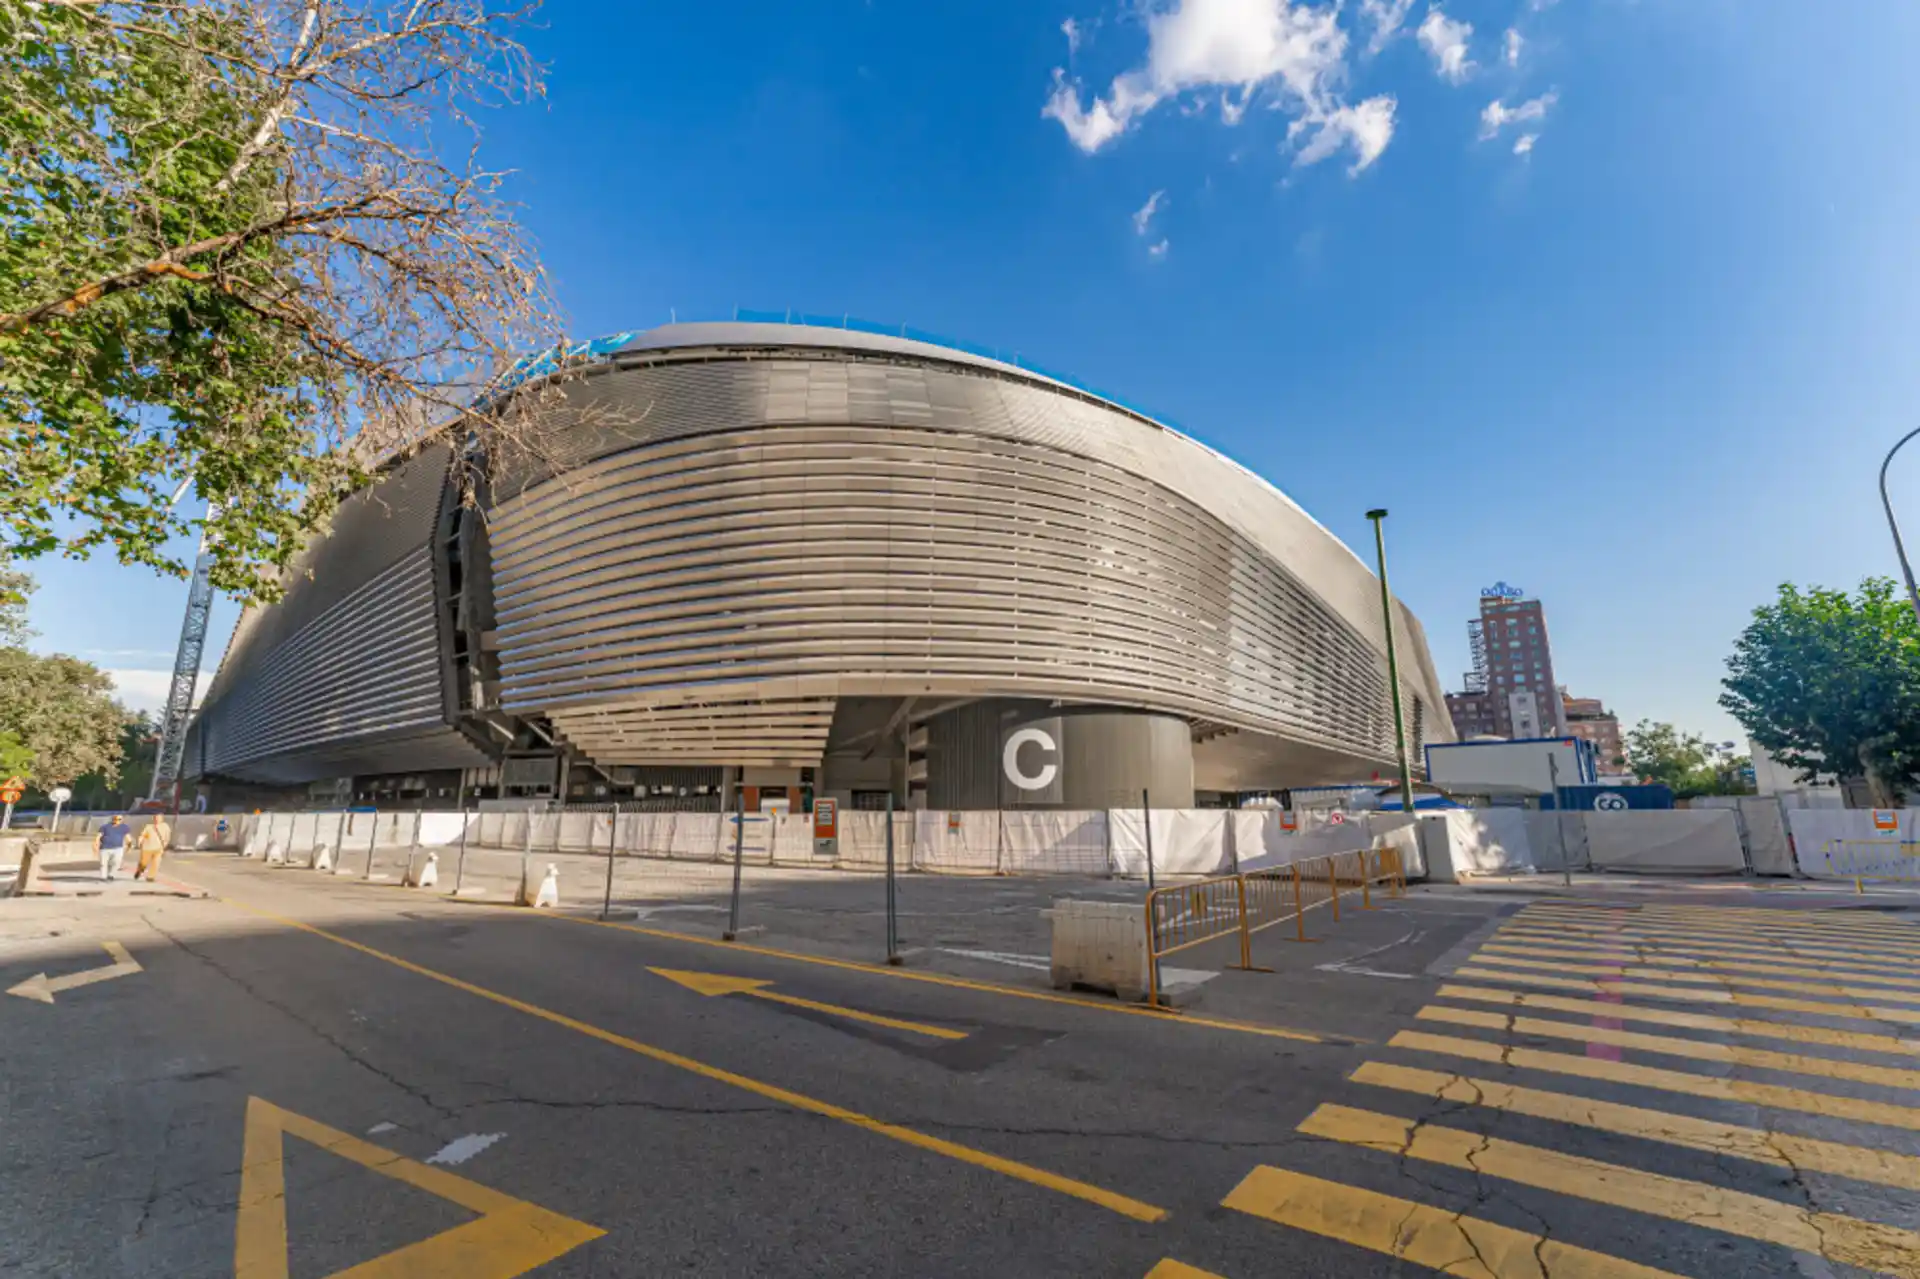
(1186, 841)
(956, 843)
(1872, 843)
(1063, 842)
(1681, 841)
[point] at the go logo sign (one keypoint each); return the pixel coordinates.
(1610, 802)
(1044, 754)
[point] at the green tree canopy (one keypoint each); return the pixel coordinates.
(1829, 682)
(62, 709)
(1659, 752)
(231, 256)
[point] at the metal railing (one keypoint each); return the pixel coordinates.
(1182, 916)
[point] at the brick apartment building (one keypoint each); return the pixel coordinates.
(1511, 690)
(1587, 718)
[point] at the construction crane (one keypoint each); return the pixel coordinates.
(186, 671)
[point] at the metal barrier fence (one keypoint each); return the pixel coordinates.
(1892, 860)
(1182, 916)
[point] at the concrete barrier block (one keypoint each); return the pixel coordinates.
(276, 856)
(1100, 945)
(323, 858)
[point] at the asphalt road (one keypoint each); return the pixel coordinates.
(308, 1076)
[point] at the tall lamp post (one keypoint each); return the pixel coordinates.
(1393, 661)
(1893, 525)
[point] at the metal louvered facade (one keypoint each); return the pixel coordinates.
(735, 533)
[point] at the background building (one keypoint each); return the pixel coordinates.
(792, 560)
(1587, 718)
(1510, 692)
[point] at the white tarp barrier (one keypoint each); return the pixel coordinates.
(1488, 841)
(956, 843)
(1063, 842)
(1402, 833)
(1558, 840)
(1281, 847)
(863, 840)
(1763, 824)
(1186, 841)
(1681, 841)
(1867, 843)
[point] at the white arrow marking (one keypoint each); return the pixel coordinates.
(44, 988)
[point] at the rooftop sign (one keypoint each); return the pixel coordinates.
(1501, 591)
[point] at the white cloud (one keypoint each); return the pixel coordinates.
(1446, 40)
(147, 690)
(1071, 30)
(1143, 216)
(1238, 47)
(1366, 127)
(1514, 42)
(1157, 250)
(1386, 17)
(1523, 145)
(1497, 114)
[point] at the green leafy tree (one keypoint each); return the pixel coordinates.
(1659, 752)
(231, 255)
(15, 587)
(133, 779)
(1829, 682)
(62, 709)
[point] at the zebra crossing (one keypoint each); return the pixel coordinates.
(1754, 1047)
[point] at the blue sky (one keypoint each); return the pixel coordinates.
(1643, 366)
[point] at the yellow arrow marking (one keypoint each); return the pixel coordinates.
(721, 984)
(43, 988)
(510, 1237)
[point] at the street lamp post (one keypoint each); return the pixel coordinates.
(1393, 662)
(1893, 525)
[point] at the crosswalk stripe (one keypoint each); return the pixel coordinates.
(1639, 972)
(1451, 1243)
(1856, 1040)
(1852, 922)
(1859, 968)
(1667, 1045)
(1781, 1150)
(1697, 995)
(1818, 943)
(1668, 959)
(1773, 1096)
(1869, 1245)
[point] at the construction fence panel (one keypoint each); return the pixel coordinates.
(1858, 843)
(1684, 841)
(1064, 842)
(1186, 841)
(956, 842)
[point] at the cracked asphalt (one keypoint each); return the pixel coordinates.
(1384, 1104)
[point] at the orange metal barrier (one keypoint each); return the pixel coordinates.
(1185, 915)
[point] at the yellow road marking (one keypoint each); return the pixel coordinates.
(1450, 1243)
(718, 984)
(1869, 1245)
(1171, 1269)
(1853, 921)
(1698, 995)
(1717, 951)
(1670, 959)
(1111, 1200)
(510, 1237)
(1781, 1150)
(1860, 1041)
(1619, 1072)
(1641, 973)
(1667, 1045)
(1733, 933)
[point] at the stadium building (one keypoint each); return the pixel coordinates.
(808, 560)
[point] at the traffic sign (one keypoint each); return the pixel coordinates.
(14, 788)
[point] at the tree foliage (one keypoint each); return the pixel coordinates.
(1659, 752)
(62, 709)
(231, 253)
(1829, 682)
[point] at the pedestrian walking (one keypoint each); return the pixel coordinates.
(111, 844)
(153, 845)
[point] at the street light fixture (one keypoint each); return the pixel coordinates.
(1899, 547)
(1393, 662)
